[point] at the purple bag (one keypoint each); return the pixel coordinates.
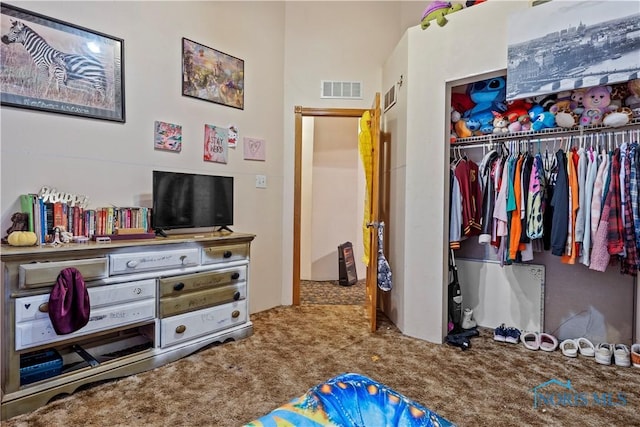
(69, 302)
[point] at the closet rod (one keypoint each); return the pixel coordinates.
(534, 140)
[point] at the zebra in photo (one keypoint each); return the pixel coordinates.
(60, 66)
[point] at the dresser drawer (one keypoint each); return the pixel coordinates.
(41, 274)
(34, 307)
(157, 260)
(184, 327)
(217, 254)
(40, 331)
(170, 306)
(176, 285)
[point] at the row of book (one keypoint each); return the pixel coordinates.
(45, 217)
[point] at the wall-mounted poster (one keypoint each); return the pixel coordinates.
(255, 149)
(215, 144)
(167, 136)
(566, 45)
(233, 136)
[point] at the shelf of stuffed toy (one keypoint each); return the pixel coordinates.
(480, 111)
(628, 132)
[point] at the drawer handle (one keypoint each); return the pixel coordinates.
(235, 275)
(180, 329)
(227, 254)
(235, 314)
(236, 296)
(132, 263)
(44, 307)
(178, 286)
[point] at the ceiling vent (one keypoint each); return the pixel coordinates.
(340, 89)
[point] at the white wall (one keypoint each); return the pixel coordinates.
(288, 47)
(332, 41)
(335, 217)
(111, 162)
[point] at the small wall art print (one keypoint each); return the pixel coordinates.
(215, 144)
(255, 149)
(54, 66)
(233, 136)
(211, 75)
(167, 136)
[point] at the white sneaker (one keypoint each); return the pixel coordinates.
(604, 351)
(467, 319)
(622, 355)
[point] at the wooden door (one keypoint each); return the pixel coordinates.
(374, 209)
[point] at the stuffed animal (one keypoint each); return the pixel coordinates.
(500, 123)
(619, 92)
(620, 117)
(516, 109)
(544, 120)
(489, 96)
(20, 222)
(596, 102)
(633, 100)
(545, 101)
(563, 102)
(576, 97)
(567, 118)
(436, 11)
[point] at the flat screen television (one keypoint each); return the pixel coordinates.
(184, 200)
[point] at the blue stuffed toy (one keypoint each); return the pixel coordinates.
(489, 96)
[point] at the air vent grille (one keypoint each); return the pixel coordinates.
(341, 89)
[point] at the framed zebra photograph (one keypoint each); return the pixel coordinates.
(211, 75)
(54, 66)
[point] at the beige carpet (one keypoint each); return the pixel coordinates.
(331, 292)
(293, 349)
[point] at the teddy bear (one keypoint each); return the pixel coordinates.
(597, 102)
(633, 100)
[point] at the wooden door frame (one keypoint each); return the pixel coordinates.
(301, 112)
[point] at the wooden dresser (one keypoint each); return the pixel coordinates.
(152, 302)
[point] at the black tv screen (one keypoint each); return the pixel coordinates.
(183, 200)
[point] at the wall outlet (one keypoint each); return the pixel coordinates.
(261, 181)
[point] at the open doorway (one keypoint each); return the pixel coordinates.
(300, 114)
(332, 202)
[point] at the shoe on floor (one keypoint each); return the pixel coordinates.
(531, 340)
(569, 348)
(500, 333)
(621, 355)
(512, 335)
(635, 355)
(548, 342)
(458, 341)
(467, 319)
(586, 347)
(604, 352)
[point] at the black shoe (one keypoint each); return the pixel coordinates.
(458, 341)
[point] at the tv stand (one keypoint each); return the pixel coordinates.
(224, 227)
(160, 232)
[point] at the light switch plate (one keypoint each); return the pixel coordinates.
(261, 181)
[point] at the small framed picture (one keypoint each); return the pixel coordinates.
(167, 136)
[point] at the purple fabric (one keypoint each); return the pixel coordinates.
(69, 302)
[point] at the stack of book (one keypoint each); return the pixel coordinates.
(44, 217)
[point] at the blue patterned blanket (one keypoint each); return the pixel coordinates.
(351, 400)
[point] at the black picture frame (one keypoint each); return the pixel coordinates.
(211, 75)
(81, 75)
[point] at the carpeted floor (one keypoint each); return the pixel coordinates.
(331, 292)
(295, 348)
